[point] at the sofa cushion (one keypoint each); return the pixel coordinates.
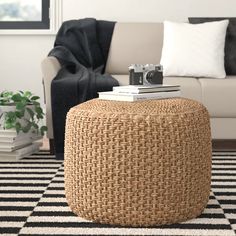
(194, 50)
(219, 96)
(223, 128)
(139, 43)
(190, 87)
(122, 79)
(230, 43)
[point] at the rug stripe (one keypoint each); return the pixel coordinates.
(9, 230)
(111, 231)
(9, 213)
(97, 225)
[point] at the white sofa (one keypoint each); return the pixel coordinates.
(142, 43)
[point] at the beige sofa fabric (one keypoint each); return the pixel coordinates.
(142, 43)
(223, 128)
(134, 43)
(122, 79)
(219, 96)
(190, 87)
(50, 67)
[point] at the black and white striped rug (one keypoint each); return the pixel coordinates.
(32, 202)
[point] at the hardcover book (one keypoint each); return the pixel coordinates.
(22, 152)
(135, 89)
(129, 97)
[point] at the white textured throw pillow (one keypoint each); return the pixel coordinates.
(194, 49)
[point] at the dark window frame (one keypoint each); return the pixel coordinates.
(35, 25)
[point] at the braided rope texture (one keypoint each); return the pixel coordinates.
(138, 164)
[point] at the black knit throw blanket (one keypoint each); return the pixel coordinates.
(81, 46)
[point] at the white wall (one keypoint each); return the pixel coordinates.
(147, 10)
(20, 56)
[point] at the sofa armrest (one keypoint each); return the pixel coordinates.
(50, 67)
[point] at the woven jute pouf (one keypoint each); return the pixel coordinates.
(138, 163)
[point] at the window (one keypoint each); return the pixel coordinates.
(27, 16)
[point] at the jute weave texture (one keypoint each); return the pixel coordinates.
(138, 164)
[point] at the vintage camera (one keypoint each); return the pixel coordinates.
(145, 74)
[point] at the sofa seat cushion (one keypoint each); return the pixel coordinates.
(190, 87)
(219, 96)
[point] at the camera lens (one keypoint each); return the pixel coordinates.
(154, 77)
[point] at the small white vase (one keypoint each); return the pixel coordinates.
(7, 108)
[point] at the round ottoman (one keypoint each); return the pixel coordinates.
(138, 163)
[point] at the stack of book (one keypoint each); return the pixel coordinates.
(133, 93)
(15, 146)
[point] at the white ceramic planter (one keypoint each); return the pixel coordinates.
(4, 109)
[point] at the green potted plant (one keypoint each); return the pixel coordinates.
(21, 111)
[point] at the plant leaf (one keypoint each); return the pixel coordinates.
(8, 125)
(11, 115)
(38, 110)
(34, 98)
(31, 113)
(18, 127)
(35, 125)
(40, 116)
(27, 94)
(19, 114)
(20, 105)
(24, 100)
(27, 128)
(7, 94)
(43, 129)
(16, 97)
